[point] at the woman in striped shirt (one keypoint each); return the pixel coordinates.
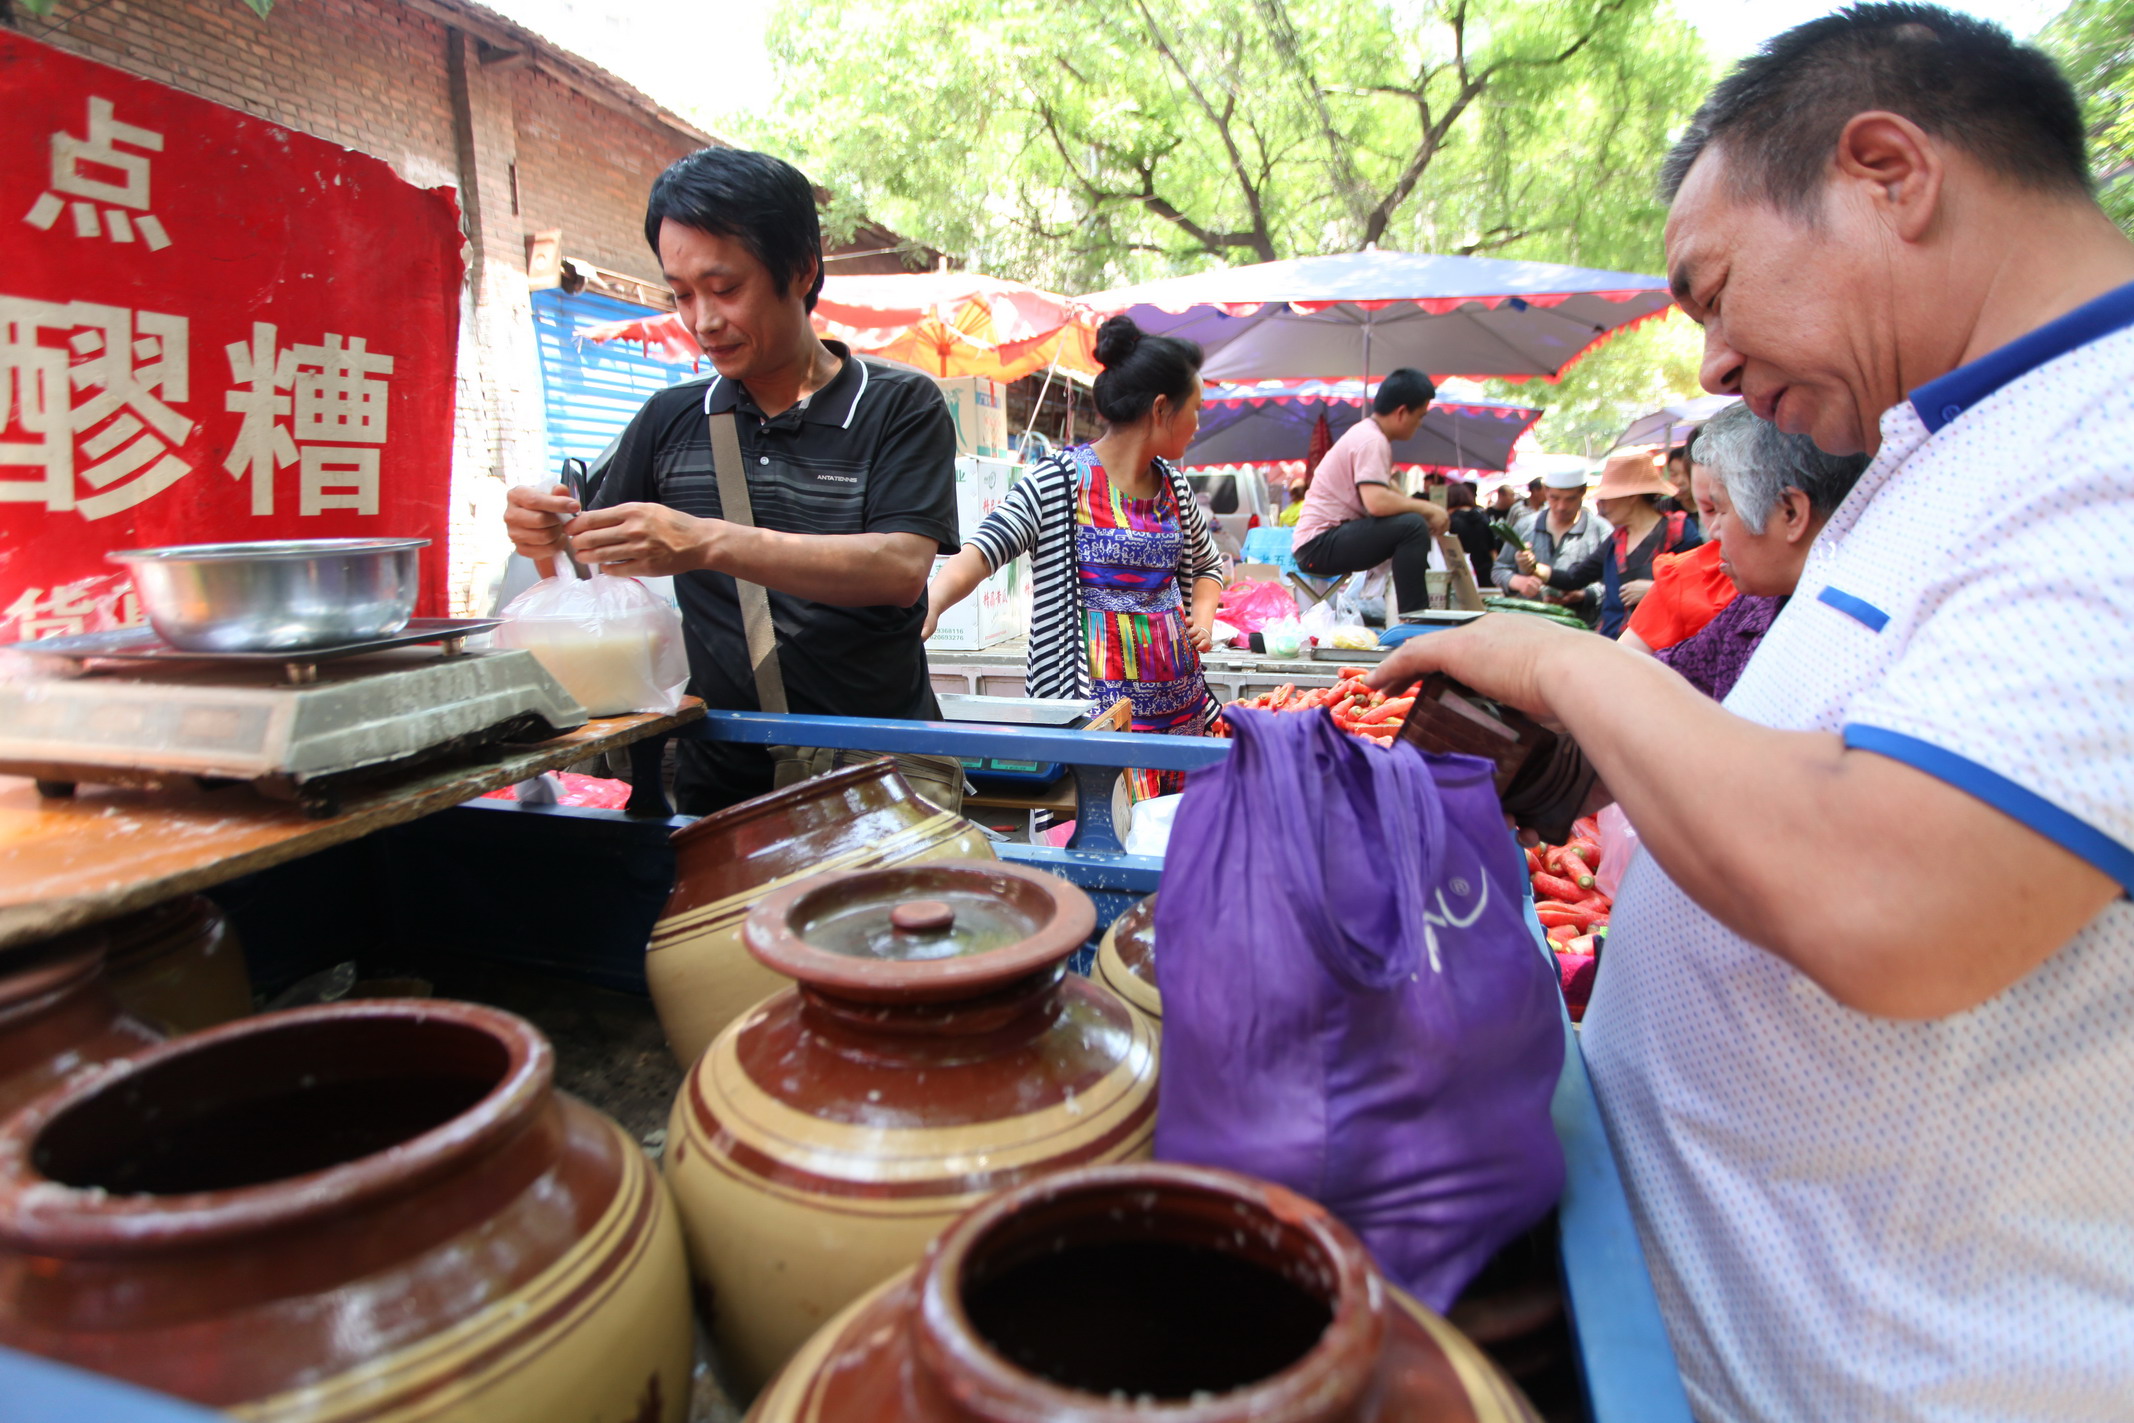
(1126, 578)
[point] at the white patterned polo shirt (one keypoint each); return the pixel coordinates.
(1851, 1217)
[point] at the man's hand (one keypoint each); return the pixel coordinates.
(536, 520)
(644, 540)
(1526, 585)
(1574, 598)
(1501, 655)
(1527, 564)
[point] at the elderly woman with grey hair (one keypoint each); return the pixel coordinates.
(1772, 494)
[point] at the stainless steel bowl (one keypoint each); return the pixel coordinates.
(279, 595)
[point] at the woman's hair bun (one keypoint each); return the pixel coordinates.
(1117, 340)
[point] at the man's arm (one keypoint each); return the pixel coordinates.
(844, 570)
(1897, 893)
(1383, 501)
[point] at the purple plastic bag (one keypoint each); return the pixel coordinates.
(1353, 1003)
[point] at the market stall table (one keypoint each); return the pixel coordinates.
(105, 850)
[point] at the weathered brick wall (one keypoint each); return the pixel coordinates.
(585, 170)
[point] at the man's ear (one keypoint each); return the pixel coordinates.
(1891, 162)
(803, 279)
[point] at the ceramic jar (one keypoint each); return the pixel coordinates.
(1126, 959)
(376, 1210)
(859, 818)
(933, 1050)
(58, 1015)
(1128, 1293)
(178, 965)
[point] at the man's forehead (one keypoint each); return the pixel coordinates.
(1693, 217)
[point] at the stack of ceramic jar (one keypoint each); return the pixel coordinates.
(377, 1210)
(909, 1158)
(914, 1177)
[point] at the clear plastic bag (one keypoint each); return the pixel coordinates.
(1619, 845)
(612, 642)
(1283, 637)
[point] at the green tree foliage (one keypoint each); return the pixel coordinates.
(2094, 42)
(1081, 143)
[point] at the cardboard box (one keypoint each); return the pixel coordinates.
(979, 406)
(980, 486)
(998, 609)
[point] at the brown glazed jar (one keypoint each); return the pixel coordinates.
(933, 1051)
(1126, 959)
(1127, 1294)
(58, 1015)
(376, 1210)
(860, 818)
(179, 965)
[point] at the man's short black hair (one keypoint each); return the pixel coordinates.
(764, 203)
(1778, 115)
(1403, 390)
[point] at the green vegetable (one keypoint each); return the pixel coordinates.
(1509, 534)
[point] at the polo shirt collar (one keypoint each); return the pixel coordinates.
(1944, 398)
(835, 404)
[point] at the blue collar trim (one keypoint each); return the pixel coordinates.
(1941, 400)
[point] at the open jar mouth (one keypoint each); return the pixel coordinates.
(265, 1123)
(1129, 1291)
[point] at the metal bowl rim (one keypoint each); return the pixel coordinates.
(275, 550)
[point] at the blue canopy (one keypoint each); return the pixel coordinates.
(1259, 424)
(1362, 314)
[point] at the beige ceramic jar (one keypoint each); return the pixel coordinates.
(1126, 959)
(1142, 1294)
(179, 965)
(933, 1051)
(376, 1211)
(859, 818)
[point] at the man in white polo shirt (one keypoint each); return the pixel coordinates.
(1864, 1037)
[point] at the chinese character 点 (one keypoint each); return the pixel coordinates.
(74, 161)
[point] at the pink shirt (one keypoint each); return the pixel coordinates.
(1362, 456)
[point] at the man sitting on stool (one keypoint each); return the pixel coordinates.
(1354, 518)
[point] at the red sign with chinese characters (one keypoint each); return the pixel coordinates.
(212, 328)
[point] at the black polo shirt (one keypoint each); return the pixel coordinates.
(874, 451)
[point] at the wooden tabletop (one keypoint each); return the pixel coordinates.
(106, 851)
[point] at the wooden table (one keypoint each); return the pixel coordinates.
(106, 851)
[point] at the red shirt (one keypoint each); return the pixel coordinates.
(1688, 590)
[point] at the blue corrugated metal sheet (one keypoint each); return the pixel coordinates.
(592, 389)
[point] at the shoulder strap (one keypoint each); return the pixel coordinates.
(734, 506)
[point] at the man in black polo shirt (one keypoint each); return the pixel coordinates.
(850, 464)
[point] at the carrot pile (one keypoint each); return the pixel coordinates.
(1572, 908)
(1356, 708)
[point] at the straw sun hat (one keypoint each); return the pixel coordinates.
(1630, 472)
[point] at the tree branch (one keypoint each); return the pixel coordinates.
(1259, 240)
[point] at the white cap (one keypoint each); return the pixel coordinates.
(1564, 478)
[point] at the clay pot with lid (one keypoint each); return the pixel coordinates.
(179, 965)
(859, 818)
(1142, 1294)
(1126, 959)
(58, 1015)
(933, 1050)
(375, 1210)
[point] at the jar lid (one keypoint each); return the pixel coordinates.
(927, 932)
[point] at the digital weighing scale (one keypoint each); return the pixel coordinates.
(124, 708)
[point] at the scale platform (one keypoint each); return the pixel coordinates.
(150, 718)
